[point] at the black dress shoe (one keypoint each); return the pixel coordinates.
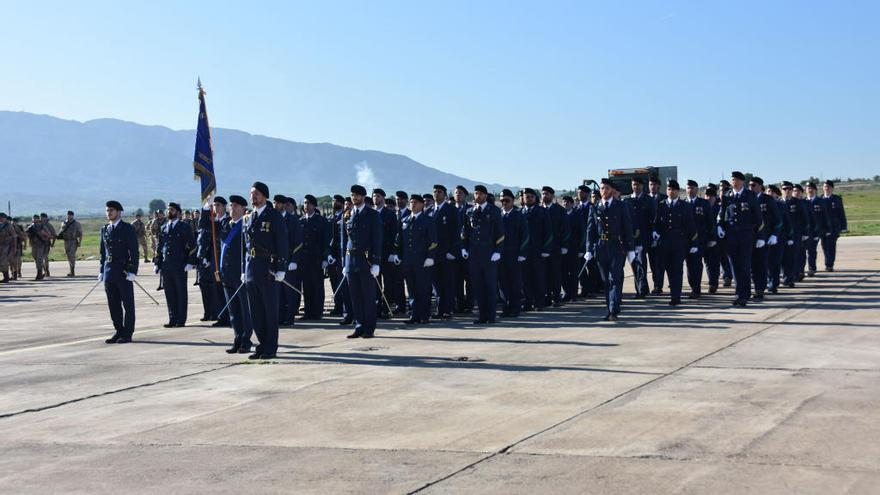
(774, 290)
(219, 324)
(346, 321)
(355, 335)
(255, 356)
(232, 350)
(758, 297)
(268, 356)
(740, 302)
(713, 289)
(179, 325)
(491, 322)
(112, 340)
(675, 302)
(657, 292)
(411, 321)
(728, 282)
(123, 340)
(612, 317)
(169, 325)
(480, 322)
(204, 319)
(367, 336)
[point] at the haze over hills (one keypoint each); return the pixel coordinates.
(52, 165)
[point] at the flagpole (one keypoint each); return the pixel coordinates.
(211, 209)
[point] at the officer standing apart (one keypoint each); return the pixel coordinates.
(741, 226)
(118, 271)
(610, 241)
(71, 232)
(363, 255)
(482, 236)
(175, 258)
(231, 268)
(676, 236)
(834, 205)
(265, 265)
(416, 246)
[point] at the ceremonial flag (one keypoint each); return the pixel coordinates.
(203, 159)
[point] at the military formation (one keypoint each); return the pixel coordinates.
(260, 262)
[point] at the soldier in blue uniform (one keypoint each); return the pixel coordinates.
(655, 258)
(558, 247)
(464, 297)
(800, 256)
(389, 233)
(337, 252)
(313, 258)
(741, 226)
(213, 298)
(769, 236)
(267, 247)
(400, 301)
(118, 271)
(535, 265)
(610, 242)
(677, 237)
(574, 258)
(726, 267)
(584, 208)
(834, 205)
(289, 299)
(644, 210)
(231, 269)
(713, 252)
(702, 213)
(448, 233)
(514, 251)
(482, 236)
(175, 257)
(416, 247)
(776, 251)
(363, 256)
(820, 220)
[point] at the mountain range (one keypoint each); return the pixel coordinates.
(51, 165)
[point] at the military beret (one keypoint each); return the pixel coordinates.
(607, 182)
(239, 200)
(3, 215)
(289, 200)
(338, 197)
(757, 180)
(311, 199)
(428, 196)
(221, 200)
(724, 182)
(507, 193)
(529, 190)
(368, 200)
(441, 187)
(583, 188)
(711, 191)
(712, 185)
(15, 219)
(774, 189)
(359, 189)
(402, 194)
(786, 183)
(548, 189)
(461, 188)
(799, 187)
(655, 180)
(481, 188)
(568, 198)
(673, 184)
(737, 175)
(379, 191)
(116, 205)
(811, 185)
(174, 205)
(43, 215)
(692, 183)
(36, 216)
(263, 188)
(597, 193)
(829, 183)
(416, 197)
(490, 197)
(279, 198)
(70, 212)
(638, 180)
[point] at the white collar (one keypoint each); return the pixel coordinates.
(608, 202)
(735, 192)
(259, 211)
(416, 215)
(114, 224)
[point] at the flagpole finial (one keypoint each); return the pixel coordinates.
(199, 86)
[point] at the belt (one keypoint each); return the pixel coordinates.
(606, 237)
(256, 252)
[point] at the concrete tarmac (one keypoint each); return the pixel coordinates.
(782, 396)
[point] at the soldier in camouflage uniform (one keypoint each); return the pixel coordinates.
(71, 233)
(8, 238)
(141, 231)
(44, 218)
(155, 228)
(20, 244)
(41, 239)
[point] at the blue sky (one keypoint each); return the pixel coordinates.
(524, 93)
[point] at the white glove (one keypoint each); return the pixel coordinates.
(655, 235)
(429, 262)
(100, 277)
(564, 251)
(292, 266)
(720, 232)
(391, 258)
(804, 237)
(545, 255)
(588, 256)
(394, 259)
(243, 278)
(759, 243)
(495, 257)
(844, 231)
(639, 250)
(345, 270)
(206, 263)
(374, 271)
(815, 238)
(631, 256)
(464, 253)
(279, 276)
(789, 242)
(324, 265)
(130, 277)
(520, 258)
(711, 243)
(331, 259)
(827, 234)
(188, 267)
(693, 250)
(156, 270)
(450, 256)
(772, 240)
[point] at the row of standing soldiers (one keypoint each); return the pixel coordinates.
(41, 236)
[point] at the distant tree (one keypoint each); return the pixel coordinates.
(139, 211)
(157, 204)
(877, 178)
